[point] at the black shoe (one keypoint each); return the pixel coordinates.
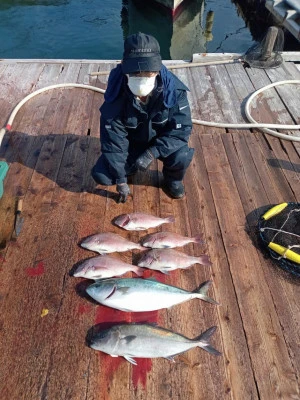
(174, 189)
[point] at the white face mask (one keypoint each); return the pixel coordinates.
(141, 86)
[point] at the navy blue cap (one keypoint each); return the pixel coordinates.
(141, 53)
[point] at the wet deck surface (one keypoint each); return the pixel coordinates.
(233, 177)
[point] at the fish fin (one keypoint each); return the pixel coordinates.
(114, 288)
(212, 350)
(204, 260)
(198, 239)
(123, 289)
(164, 271)
(113, 355)
(171, 358)
(126, 222)
(170, 219)
(130, 359)
(203, 341)
(102, 251)
(128, 338)
(155, 324)
(202, 292)
(139, 271)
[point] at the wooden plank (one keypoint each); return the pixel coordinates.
(273, 179)
(66, 197)
(289, 94)
(260, 192)
(191, 318)
(47, 166)
(239, 382)
(21, 149)
(235, 351)
(10, 151)
(283, 150)
(270, 358)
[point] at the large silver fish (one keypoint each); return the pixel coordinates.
(165, 260)
(143, 294)
(168, 240)
(104, 266)
(148, 341)
(140, 222)
(108, 243)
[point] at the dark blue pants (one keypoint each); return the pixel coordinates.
(174, 167)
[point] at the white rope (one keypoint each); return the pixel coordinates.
(264, 127)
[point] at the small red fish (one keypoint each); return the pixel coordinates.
(108, 243)
(104, 266)
(165, 260)
(168, 240)
(140, 222)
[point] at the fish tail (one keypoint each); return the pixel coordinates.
(139, 271)
(202, 292)
(198, 239)
(204, 260)
(204, 343)
(170, 219)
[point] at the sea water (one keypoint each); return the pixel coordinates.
(95, 29)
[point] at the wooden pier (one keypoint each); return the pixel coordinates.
(235, 175)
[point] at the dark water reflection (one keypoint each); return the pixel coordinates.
(95, 29)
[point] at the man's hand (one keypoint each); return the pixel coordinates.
(143, 162)
(124, 191)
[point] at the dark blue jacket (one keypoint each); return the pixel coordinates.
(126, 127)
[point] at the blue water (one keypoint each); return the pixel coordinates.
(95, 29)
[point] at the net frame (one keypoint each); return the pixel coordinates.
(266, 53)
(283, 260)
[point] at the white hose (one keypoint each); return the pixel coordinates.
(254, 124)
(33, 94)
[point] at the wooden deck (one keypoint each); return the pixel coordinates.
(235, 174)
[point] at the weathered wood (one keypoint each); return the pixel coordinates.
(253, 298)
(45, 315)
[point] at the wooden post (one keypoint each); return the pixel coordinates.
(209, 25)
(269, 43)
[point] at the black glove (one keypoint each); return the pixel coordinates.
(124, 191)
(143, 162)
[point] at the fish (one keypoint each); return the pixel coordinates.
(168, 240)
(104, 266)
(148, 341)
(165, 260)
(108, 243)
(140, 221)
(138, 295)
